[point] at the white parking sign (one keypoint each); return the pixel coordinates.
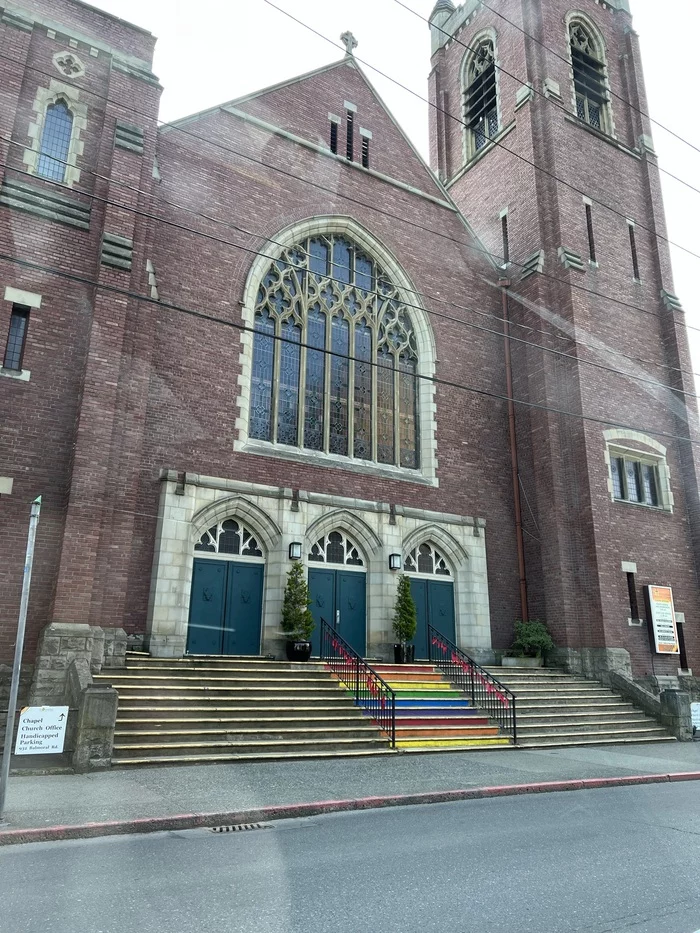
(41, 730)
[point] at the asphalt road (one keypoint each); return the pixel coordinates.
(624, 860)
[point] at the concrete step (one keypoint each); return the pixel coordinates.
(202, 715)
(240, 733)
(147, 679)
(163, 665)
(259, 690)
(614, 715)
(455, 743)
(216, 701)
(526, 729)
(205, 748)
(578, 736)
(224, 757)
(447, 732)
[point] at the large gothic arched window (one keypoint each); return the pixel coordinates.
(480, 97)
(588, 63)
(334, 356)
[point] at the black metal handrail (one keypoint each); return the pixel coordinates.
(369, 690)
(486, 692)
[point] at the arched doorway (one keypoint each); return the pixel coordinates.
(432, 589)
(227, 591)
(337, 586)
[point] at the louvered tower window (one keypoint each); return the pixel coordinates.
(589, 78)
(480, 101)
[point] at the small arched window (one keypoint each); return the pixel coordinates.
(590, 88)
(336, 548)
(335, 364)
(426, 559)
(480, 97)
(55, 142)
(229, 537)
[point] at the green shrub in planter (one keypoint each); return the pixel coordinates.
(405, 618)
(532, 640)
(297, 621)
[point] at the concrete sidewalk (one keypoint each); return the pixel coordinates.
(150, 793)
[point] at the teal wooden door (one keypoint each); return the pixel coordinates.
(225, 607)
(351, 618)
(435, 604)
(322, 595)
(339, 597)
(207, 605)
(419, 592)
(243, 617)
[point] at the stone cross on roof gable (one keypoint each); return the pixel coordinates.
(350, 42)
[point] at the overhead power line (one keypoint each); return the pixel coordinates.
(244, 328)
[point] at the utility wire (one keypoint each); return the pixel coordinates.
(619, 97)
(481, 250)
(244, 328)
(564, 109)
(494, 142)
(412, 306)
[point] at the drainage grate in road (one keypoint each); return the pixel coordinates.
(239, 827)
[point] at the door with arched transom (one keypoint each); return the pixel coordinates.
(227, 592)
(337, 587)
(432, 589)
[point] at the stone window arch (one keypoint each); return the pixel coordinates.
(55, 133)
(590, 74)
(336, 548)
(425, 558)
(480, 93)
(339, 347)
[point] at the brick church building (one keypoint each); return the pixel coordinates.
(271, 330)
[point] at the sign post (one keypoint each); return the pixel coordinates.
(662, 617)
(19, 645)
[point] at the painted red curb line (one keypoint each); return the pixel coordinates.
(295, 810)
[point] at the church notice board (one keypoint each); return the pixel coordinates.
(663, 619)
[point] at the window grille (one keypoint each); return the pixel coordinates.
(591, 238)
(426, 559)
(16, 338)
(480, 101)
(55, 142)
(350, 131)
(633, 251)
(334, 136)
(506, 245)
(589, 77)
(343, 376)
(229, 537)
(336, 548)
(635, 481)
(365, 152)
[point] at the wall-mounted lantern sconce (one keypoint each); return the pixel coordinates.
(295, 550)
(394, 562)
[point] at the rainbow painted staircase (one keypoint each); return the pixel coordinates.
(432, 714)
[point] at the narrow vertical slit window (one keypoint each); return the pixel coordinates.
(365, 151)
(632, 590)
(288, 386)
(633, 250)
(504, 234)
(591, 238)
(16, 338)
(334, 136)
(350, 137)
(480, 100)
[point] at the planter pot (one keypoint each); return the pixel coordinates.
(404, 654)
(522, 662)
(298, 650)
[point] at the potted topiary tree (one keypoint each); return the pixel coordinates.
(297, 621)
(405, 622)
(531, 644)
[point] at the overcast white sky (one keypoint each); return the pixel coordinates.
(214, 50)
